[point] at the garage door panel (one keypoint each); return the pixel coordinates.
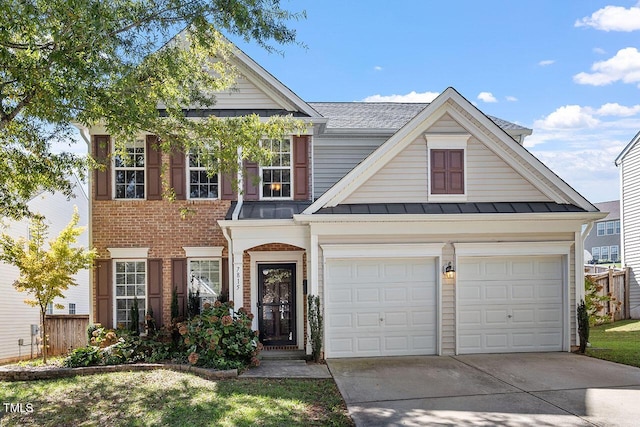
(391, 308)
(518, 311)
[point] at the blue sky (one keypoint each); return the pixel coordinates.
(568, 69)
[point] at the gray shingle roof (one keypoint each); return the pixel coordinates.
(448, 208)
(613, 207)
(379, 115)
(268, 209)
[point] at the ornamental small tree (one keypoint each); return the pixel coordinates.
(45, 273)
(315, 326)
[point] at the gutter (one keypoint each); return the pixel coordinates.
(232, 284)
(236, 211)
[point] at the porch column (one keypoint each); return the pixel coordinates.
(238, 294)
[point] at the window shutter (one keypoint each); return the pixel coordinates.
(179, 276)
(447, 171)
(101, 150)
(154, 164)
(301, 167)
(228, 192)
(154, 289)
(177, 166)
(251, 189)
(104, 307)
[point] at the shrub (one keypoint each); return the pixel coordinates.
(83, 356)
(583, 326)
(595, 302)
(221, 338)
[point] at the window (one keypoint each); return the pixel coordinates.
(276, 176)
(601, 228)
(50, 308)
(610, 227)
(131, 283)
(447, 171)
(204, 277)
(72, 308)
(201, 184)
(604, 253)
(595, 253)
(129, 171)
(618, 227)
(614, 256)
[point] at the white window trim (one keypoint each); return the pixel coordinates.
(188, 181)
(128, 253)
(203, 251)
(146, 286)
(604, 229)
(447, 141)
(75, 308)
(113, 170)
(291, 177)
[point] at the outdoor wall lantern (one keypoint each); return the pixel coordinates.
(448, 271)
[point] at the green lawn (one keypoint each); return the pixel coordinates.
(617, 342)
(166, 398)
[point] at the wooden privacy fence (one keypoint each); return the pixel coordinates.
(66, 332)
(614, 283)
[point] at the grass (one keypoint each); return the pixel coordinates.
(166, 398)
(617, 342)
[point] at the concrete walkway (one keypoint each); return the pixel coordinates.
(287, 369)
(542, 389)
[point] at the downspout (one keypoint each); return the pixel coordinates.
(84, 133)
(579, 272)
(236, 211)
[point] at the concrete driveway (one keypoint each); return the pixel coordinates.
(542, 389)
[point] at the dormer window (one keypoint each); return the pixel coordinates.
(276, 174)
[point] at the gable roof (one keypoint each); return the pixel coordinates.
(628, 148)
(454, 104)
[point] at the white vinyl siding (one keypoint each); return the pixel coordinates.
(245, 95)
(404, 179)
(16, 317)
(630, 205)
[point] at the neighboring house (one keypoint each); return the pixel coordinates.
(16, 317)
(603, 241)
(629, 163)
(424, 228)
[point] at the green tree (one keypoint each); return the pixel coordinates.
(115, 63)
(45, 273)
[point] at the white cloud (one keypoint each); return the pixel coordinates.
(487, 97)
(412, 96)
(546, 62)
(568, 117)
(511, 98)
(612, 18)
(615, 109)
(624, 66)
(377, 68)
(599, 50)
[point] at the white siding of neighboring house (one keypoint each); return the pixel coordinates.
(245, 95)
(335, 157)
(404, 179)
(630, 219)
(15, 316)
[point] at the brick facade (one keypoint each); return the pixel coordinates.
(159, 226)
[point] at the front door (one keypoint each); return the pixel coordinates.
(276, 304)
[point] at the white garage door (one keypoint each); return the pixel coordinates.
(509, 304)
(384, 307)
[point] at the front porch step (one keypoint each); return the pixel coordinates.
(283, 355)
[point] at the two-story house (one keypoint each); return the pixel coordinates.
(424, 228)
(603, 241)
